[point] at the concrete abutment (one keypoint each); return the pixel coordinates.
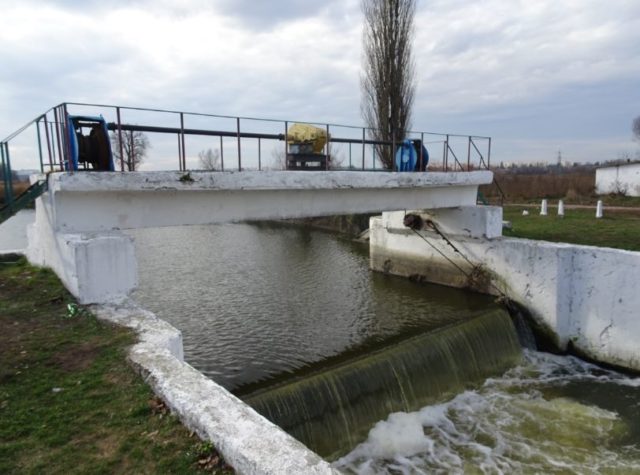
(579, 295)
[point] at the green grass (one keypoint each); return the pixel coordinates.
(69, 402)
(579, 226)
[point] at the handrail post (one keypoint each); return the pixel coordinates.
(286, 131)
(66, 133)
(393, 149)
(8, 179)
(120, 142)
(39, 145)
(46, 133)
(469, 155)
(363, 147)
(132, 154)
(221, 154)
(239, 145)
(179, 152)
(489, 155)
(422, 167)
(60, 157)
(445, 153)
(326, 162)
(373, 157)
(184, 153)
(259, 155)
(5, 180)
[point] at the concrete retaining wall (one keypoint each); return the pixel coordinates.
(585, 296)
(247, 441)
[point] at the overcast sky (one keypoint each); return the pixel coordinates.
(537, 75)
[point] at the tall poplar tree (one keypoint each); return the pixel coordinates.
(388, 76)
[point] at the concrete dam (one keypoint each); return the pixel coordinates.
(287, 343)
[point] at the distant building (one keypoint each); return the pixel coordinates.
(623, 179)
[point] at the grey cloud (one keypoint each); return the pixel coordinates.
(264, 15)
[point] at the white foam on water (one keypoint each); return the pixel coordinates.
(506, 426)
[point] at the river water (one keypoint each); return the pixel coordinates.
(255, 301)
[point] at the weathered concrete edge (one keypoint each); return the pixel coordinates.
(254, 180)
(580, 296)
(248, 442)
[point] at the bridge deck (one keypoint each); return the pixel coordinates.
(94, 201)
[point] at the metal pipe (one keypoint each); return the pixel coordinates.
(120, 142)
(349, 155)
(489, 155)
(239, 144)
(469, 155)
(259, 155)
(225, 133)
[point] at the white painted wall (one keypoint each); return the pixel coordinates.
(586, 295)
(623, 179)
(94, 202)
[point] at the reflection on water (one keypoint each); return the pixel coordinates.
(254, 300)
(552, 414)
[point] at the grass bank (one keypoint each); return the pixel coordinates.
(69, 402)
(617, 229)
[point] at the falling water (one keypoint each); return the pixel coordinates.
(332, 410)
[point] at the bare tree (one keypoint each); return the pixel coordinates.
(635, 128)
(335, 156)
(279, 158)
(134, 148)
(209, 159)
(388, 77)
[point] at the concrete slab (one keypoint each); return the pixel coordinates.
(96, 202)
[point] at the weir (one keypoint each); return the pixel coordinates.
(332, 410)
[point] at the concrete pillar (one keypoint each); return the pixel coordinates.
(543, 208)
(599, 209)
(95, 267)
(561, 208)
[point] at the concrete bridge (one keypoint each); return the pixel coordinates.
(79, 220)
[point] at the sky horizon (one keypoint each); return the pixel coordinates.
(538, 77)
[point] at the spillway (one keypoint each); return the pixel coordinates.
(333, 409)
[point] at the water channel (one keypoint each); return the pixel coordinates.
(259, 304)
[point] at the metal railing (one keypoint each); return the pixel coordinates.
(239, 142)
